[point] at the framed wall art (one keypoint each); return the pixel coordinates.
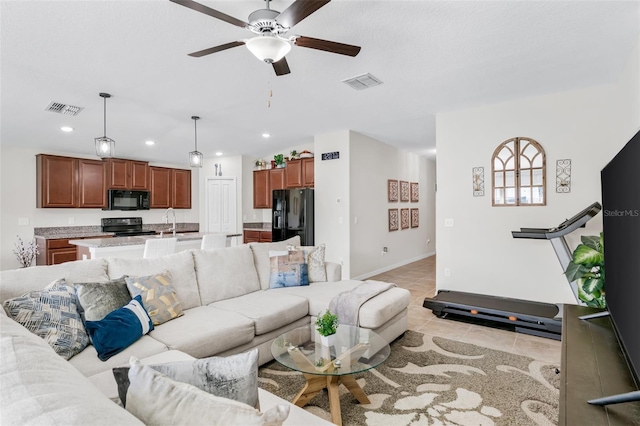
(415, 218)
(392, 190)
(478, 181)
(404, 218)
(404, 190)
(563, 176)
(415, 192)
(393, 220)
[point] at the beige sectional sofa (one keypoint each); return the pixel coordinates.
(228, 308)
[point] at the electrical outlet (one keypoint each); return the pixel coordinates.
(447, 272)
(72, 221)
(448, 222)
(23, 221)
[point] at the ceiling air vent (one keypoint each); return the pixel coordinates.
(364, 81)
(63, 108)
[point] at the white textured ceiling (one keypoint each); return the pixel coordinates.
(432, 56)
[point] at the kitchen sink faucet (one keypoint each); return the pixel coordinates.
(166, 219)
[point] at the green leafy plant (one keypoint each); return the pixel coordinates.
(327, 323)
(294, 154)
(279, 159)
(587, 269)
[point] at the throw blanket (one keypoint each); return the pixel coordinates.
(347, 304)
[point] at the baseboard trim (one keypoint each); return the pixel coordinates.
(394, 266)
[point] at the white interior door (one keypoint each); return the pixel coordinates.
(221, 204)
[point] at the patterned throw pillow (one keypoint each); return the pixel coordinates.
(119, 329)
(288, 269)
(96, 300)
(156, 399)
(234, 377)
(158, 296)
(314, 258)
(52, 314)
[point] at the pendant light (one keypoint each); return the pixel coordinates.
(105, 147)
(195, 157)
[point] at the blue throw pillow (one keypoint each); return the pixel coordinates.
(119, 329)
(288, 269)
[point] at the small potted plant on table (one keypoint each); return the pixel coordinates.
(327, 326)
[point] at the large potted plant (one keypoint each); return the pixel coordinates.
(327, 326)
(587, 269)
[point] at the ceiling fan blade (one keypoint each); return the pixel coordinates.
(216, 49)
(211, 12)
(327, 46)
(281, 67)
(299, 10)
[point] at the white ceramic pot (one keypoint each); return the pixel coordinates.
(329, 340)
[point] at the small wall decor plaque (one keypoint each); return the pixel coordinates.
(563, 176)
(404, 190)
(478, 181)
(404, 218)
(392, 190)
(415, 218)
(393, 220)
(415, 192)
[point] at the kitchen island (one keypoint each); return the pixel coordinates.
(133, 247)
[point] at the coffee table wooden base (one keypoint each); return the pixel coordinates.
(315, 384)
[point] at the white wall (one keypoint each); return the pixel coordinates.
(18, 200)
(588, 126)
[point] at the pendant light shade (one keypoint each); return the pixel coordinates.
(105, 147)
(195, 157)
(268, 48)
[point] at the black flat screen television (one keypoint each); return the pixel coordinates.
(620, 180)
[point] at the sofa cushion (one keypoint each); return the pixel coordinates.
(96, 300)
(288, 269)
(268, 310)
(52, 314)
(234, 377)
(180, 265)
(119, 329)
(88, 363)
(158, 296)
(205, 331)
(157, 400)
(261, 257)
(373, 313)
(19, 281)
(39, 387)
(225, 273)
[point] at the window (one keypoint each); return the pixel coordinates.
(518, 169)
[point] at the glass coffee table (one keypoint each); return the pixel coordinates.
(355, 350)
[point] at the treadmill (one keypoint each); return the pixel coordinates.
(523, 316)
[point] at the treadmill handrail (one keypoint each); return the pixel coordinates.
(566, 227)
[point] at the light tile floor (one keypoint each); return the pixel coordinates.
(420, 279)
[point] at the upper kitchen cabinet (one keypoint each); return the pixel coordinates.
(180, 189)
(277, 179)
(65, 182)
(308, 172)
(170, 188)
(128, 174)
(261, 189)
(293, 174)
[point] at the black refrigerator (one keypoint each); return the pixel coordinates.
(292, 214)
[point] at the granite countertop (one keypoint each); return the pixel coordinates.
(256, 227)
(138, 240)
(64, 232)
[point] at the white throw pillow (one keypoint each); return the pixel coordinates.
(314, 258)
(155, 399)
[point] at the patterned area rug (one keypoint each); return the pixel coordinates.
(436, 381)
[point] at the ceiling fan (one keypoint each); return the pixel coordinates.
(270, 26)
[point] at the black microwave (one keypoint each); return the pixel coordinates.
(118, 199)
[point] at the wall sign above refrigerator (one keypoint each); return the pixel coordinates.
(331, 155)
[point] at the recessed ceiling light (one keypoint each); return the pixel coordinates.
(266, 135)
(218, 153)
(66, 129)
(150, 143)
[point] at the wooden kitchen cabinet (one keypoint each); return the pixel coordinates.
(66, 182)
(293, 174)
(257, 236)
(128, 174)
(92, 184)
(277, 179)
(180, 189)
(54, 251)
(265, 236)
(308, 172)
(160, 184)
(261, 189)
(170, 188)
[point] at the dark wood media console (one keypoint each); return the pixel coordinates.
(593, 366)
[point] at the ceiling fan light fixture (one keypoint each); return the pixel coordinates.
(105, 147)
(195, 157)
(268, 48)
